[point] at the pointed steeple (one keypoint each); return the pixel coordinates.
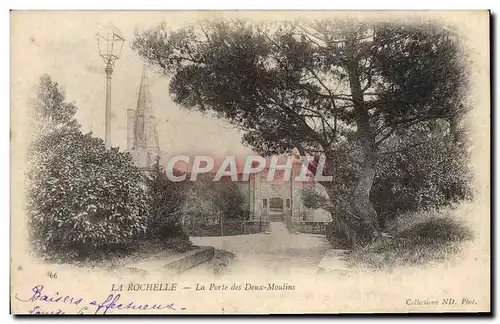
(144, 97)
(145, 133)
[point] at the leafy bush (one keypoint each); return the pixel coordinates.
(430, 175)
(167, 205)
(311, 199)
(83, 197)
(435, 227)
(416, 238)
(213, 202)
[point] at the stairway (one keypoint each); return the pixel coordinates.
(278, 228)
(276, 214)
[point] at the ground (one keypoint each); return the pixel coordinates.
(274, 252)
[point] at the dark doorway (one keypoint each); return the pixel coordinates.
(276, 203)
(276, 209)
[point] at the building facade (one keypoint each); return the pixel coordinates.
(280, 200)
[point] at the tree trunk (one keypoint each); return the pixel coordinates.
(455, 133)
(362, 205)
(360, 202)
(221, 224)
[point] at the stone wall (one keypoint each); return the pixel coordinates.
(252, 227)
(310, 227)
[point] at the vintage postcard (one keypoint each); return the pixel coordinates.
(260, 162)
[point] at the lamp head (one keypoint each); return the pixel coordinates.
(110, 43)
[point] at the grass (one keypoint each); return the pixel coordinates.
(417, 239)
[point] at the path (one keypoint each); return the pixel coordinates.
(276, 252)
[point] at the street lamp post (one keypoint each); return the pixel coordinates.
(110, 43)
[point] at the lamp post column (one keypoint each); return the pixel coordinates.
(107, 138)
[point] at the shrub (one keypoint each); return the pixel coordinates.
(311, 199)
(83, 197)
(438, 178)
(438, 229)
(167, 205)
(417, 238)
(211, 202)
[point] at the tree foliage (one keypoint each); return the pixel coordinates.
(50, 110)
(81, 197)
(320, 87)
(167, 204)
(214, 201)
(431, 172)
(292, 81)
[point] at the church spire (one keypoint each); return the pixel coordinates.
(145, 133)
(144, 97)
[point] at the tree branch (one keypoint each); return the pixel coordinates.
(403, 149)
(406, 122)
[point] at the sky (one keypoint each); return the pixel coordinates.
(65, 47)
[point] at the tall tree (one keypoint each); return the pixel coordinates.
(50, 109)
(213, 200)
(226, 201)
(317, 87)
(167, 203)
